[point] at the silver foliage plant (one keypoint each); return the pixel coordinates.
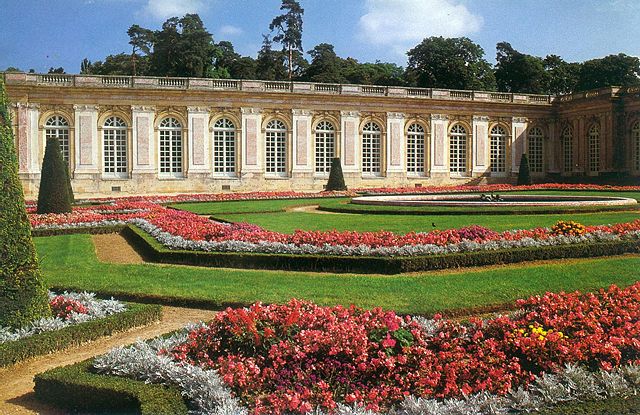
(178, 242)
(208, 394)
(95, 309)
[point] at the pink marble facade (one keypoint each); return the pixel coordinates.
(396, 144)
(519, 144)
(142, 132)
(251, 150)
(22, 144)
(481, 145)
(439, 146)
(301, 142)
(197, 150)
(86, 139)
(349, 143)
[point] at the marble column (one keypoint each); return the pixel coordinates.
(439, 145)
(480, 145)
(198, 140)
(252, 141)
(302, 142)
(518, 142)
(144, 148)
(87, 142)
(395, 144)
(350, 143)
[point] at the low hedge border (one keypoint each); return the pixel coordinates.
(152, 251)
(397, 210)
(50, 341)
(96, 230)
(77, 389)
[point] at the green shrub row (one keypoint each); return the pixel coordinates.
(47, 342)
(153, 251)
(612, 406)
(76, 389)
(97, 230)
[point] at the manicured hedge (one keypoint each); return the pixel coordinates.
(47, 342)
(613, 406)
(153, 251)
(97, 230)
(75, 388)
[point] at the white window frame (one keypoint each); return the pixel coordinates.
(57, 126)
(170, 148)
(567, 149)
(535, 144)
(224, 148)
(114, 148)
(371, 150)
(458, 139)
(275, 149)
(325, 147)
(498, 150)
(416, 156)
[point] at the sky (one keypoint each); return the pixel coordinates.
(39, 34)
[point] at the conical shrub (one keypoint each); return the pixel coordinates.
(524, 174)
(53, 196)
(336, 178)
(23, 296)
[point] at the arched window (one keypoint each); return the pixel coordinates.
(535, 139)
(57, 126)
(594, 148)
(276, 148)
(415, 150)
(635, 137)
(371, 149)
(325, 146)
(498, 149)
(224, 147)
(114, 147)
(458, 149)
(567, 149)
(170, 147)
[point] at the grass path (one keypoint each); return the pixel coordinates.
(16, 389)
(70, 261)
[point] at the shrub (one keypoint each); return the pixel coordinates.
(53, 196)
(23, 296)
(524, 174)
(336, 178)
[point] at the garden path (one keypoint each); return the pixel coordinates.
(113, 248)
(311, 209)
(16, 388)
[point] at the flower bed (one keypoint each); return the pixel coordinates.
(300, 357)
(495, 188)
(67, 309)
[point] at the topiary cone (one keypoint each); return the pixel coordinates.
(336, 178)
(524, 174)
(23, 296)
(53, 196)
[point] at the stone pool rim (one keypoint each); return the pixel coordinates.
(473, 200)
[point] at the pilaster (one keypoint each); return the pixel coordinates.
(552, 148)
(198, 144)
(480, 145)
(302, 141)
(87, 147)
(518, 141)
(439, 144)
(144, 149)
(395, 143)
(350, 143)
(252, 141)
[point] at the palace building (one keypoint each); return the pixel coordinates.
(143, 135)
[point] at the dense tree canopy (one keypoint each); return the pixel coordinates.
(289, 28)
(456, 63)
(519, 72)
(618, 70)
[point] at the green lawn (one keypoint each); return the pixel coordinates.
(69, 261)
(270, 214)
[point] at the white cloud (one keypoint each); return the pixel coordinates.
(162, 9)
(401, 24)
(228, 30)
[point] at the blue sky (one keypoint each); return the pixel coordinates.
(40, 34)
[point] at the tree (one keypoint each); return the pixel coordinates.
(289, 27)
(378, 73)
(23, 296)
(141, 40)
(56, 70)
(518, 72)
(336, 178)
(456, 63)
(524, 173)
(13, 69)
(270, 63)
(325, 65)
(53, 195)
(562, 77)
(612, 70)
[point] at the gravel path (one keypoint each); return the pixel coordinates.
(113, 248)
(16, 388)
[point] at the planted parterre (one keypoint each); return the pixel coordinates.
(302, 358)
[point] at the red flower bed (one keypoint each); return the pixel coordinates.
(495, 188)
(299, 356)
(63, 307)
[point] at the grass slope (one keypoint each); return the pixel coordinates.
(69, 261)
